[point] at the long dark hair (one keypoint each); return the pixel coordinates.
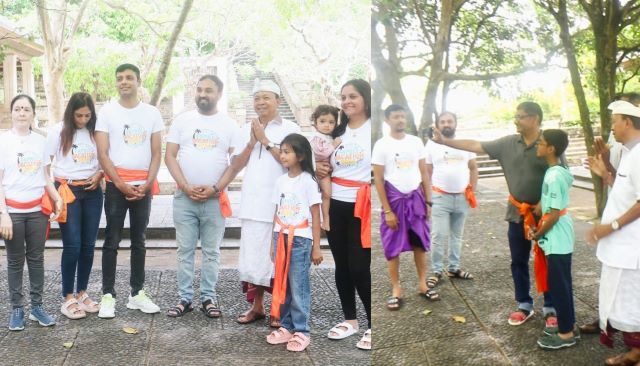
(302, 148)
(364, 89)
(77, 101)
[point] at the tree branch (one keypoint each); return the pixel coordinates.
(129, 11)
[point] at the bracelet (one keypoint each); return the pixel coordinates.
(387, 211)
(215, 189)
(429, 203)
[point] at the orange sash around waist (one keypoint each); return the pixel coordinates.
(540, 260)
(67, 195)
(362, 209)
(279, 293)
(132, 175)
(468, 193)
(46, 207)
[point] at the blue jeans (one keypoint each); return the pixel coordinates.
(294, 313)
(79, 236)
(194, 220)
(448, 214)
(520, 249)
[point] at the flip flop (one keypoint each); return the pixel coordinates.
(394, 303)
(341, 333)
(249, 317)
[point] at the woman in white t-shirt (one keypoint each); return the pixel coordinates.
(77, 177)
(24, 209)
(350, 209)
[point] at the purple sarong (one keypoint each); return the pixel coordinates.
(410, 209)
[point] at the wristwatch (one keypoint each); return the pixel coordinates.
(270, 146)
(615, 225)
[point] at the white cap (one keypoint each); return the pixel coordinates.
(623, 107)
(266, 85)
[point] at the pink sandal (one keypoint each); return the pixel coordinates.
(72, 310)
(91, 307)
(282, 335)
(298, 343)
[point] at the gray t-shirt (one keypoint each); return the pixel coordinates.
(523, 170)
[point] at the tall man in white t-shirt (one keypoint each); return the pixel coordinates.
(198, 147)
(129, 150)
(258, 150)
(454, 175)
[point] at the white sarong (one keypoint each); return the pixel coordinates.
(254, 262)
(619, 298)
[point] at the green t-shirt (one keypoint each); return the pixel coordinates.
(555, 194)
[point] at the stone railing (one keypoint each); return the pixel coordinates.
(302, 114)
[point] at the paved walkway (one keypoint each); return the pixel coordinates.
(190, 340)
(408, 337)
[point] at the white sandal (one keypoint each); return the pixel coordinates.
(92, 307)
(365, 342)
(71, 312)
(341, 333)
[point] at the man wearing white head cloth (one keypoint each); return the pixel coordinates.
(618, 238)
(257, 149)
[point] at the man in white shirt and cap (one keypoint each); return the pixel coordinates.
(618, 237)
(257, 149)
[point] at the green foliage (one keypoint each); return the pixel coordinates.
(93, 75)
(14, 9)
(121, 26)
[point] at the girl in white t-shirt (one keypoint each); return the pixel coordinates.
(77, 177)
(26, 193)
(297, 243)
(324, 120)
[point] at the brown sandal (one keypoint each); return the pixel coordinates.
(249, 317)
(621, 360)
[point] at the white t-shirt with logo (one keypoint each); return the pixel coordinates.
(81, 161)
(130, 132)
(262, 170)
(204, 145)
(22, 160)
(400, 159)
(352, 160)
(294, 198)
(450, 166)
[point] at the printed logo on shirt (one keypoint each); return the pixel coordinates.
(403, 160)
(134, 134)
(452, 159)
(349, 155)
(205, 139)
(290, 209)
(82, 153)
(29, 162)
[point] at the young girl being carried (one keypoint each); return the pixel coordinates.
(297, 243)
(324, 120)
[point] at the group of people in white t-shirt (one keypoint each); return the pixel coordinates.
(205, 151)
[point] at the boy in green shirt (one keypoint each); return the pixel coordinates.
(555, 237)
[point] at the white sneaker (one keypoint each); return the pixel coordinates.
(107, 307)
(143, 303)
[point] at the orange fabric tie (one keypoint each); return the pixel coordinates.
(225, 204)
(540, 260)
(132, 175)
(283, 259)
(46, 207)
(468, 193)
(362, 208)
(67, 195)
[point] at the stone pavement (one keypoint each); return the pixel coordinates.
(407, 337)
(192, 339)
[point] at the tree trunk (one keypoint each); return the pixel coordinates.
(387, 71)
(437, 70)
(168, 51)
(57, 40)
(377, 114)
(562, 18)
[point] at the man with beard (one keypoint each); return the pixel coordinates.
(618, 235)
(129, 150)
(524, 173)
(199, 144)
(258, 150)
(454, 175)
(402, 183)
